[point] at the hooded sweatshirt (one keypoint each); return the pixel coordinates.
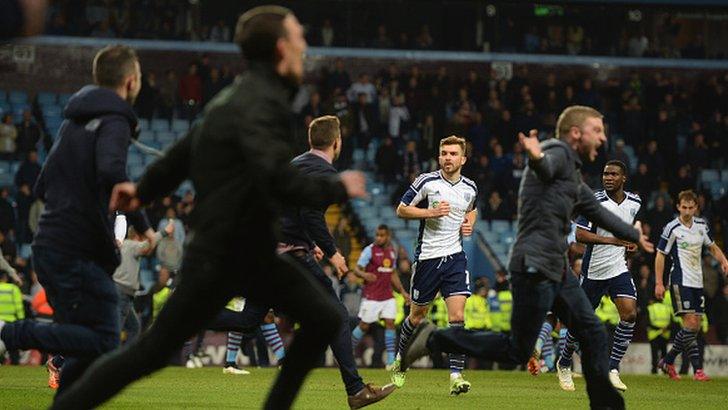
(87, 159)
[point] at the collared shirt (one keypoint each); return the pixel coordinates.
(685, 245)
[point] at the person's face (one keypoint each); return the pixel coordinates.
(134, 84)
(590, 137)
(451, 158)
(33, 156)
(292, 48)
(337, 147)
(613, 178)
(381, 237)
(687, 209)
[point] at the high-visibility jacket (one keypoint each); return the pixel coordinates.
(438, 312)
(159, 299)
(607, 311)
(667, 300)
(11, 303)
(477, 314)
(660, 317)
(704, 323)
(501, 307)
(400, 300)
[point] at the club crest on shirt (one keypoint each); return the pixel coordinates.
(468, 196)
(633, 212)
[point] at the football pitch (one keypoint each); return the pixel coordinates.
(208, 388)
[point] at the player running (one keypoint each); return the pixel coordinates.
(444, 201)
(683, 240)
(376, 267)
(604, 271)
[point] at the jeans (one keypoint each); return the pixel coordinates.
(533, 296)
(128, 318)
(86, 315)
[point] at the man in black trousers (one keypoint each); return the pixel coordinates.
(551, 193)
(238, 158)
(304, 229)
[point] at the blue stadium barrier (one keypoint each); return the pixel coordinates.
(18, 97)
(160, 125)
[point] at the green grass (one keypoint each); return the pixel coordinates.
(174, 388)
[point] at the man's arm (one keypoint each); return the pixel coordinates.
(718, 254)
(407, 209)
(361, 273)
(397, 285)
(546, 164)
(659, 272)
(112, 148)
(469, 224)
(590, 238)
(597, 214)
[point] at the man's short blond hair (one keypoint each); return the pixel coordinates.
(688, 196)
(574, 116)
(323, 131)
(453, 140)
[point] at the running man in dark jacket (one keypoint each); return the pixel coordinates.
(238, 158)
(551, 193)
(74, 251)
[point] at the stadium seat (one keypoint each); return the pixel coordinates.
(500, 226)
(3, 95)
(160, 125)
(5, 167)
(724, 175)
(45, 98)
(709, 175)
(18, 97)
(146, 137)
(143, 124)
(52, 111)
(180, 125)
(14, 167)
(164, 137)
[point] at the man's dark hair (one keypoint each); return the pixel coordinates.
(617, 163)
(383, 227)
(323, 131)
(112, 64)
(258, 31)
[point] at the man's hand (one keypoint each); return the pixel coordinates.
(16, 278)
(440, 210)
(340, 264)
(368, 277)
(318, 254)
(355, 183)
(646, 245)
(659, 291)
(407, 298)
(466, 228)
(724, 266)
(123, 198)
(531, 144)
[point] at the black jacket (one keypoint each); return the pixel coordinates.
(87, 160)
(307, 226)
(238, 158)
(551, 193)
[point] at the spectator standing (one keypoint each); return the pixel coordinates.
(8, 136)
(29, 170)
(29, 133)
(190, 92)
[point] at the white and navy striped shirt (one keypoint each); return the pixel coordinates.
(440, 237)
(603, 262)
(685, 245)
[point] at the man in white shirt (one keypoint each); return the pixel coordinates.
(444, 202)
(604, 271)
(683, 240)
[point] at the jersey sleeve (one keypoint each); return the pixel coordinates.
(583, 223)
(707, 238)
(413, 196)
(365, 257)
(667, 240)
(572, 234)
(474, 202)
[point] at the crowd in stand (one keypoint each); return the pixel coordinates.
(501, 28)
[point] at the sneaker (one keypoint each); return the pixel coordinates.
(193, 362)
(668, 369)
(458, 385)
(234, 369)
(397, 376)
(700, 376)
(534, 365)
(54, 374)
(565, 380)
(616, 381)
(370, 394)
(389, 367)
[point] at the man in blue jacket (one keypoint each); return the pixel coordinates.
(74, 252)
